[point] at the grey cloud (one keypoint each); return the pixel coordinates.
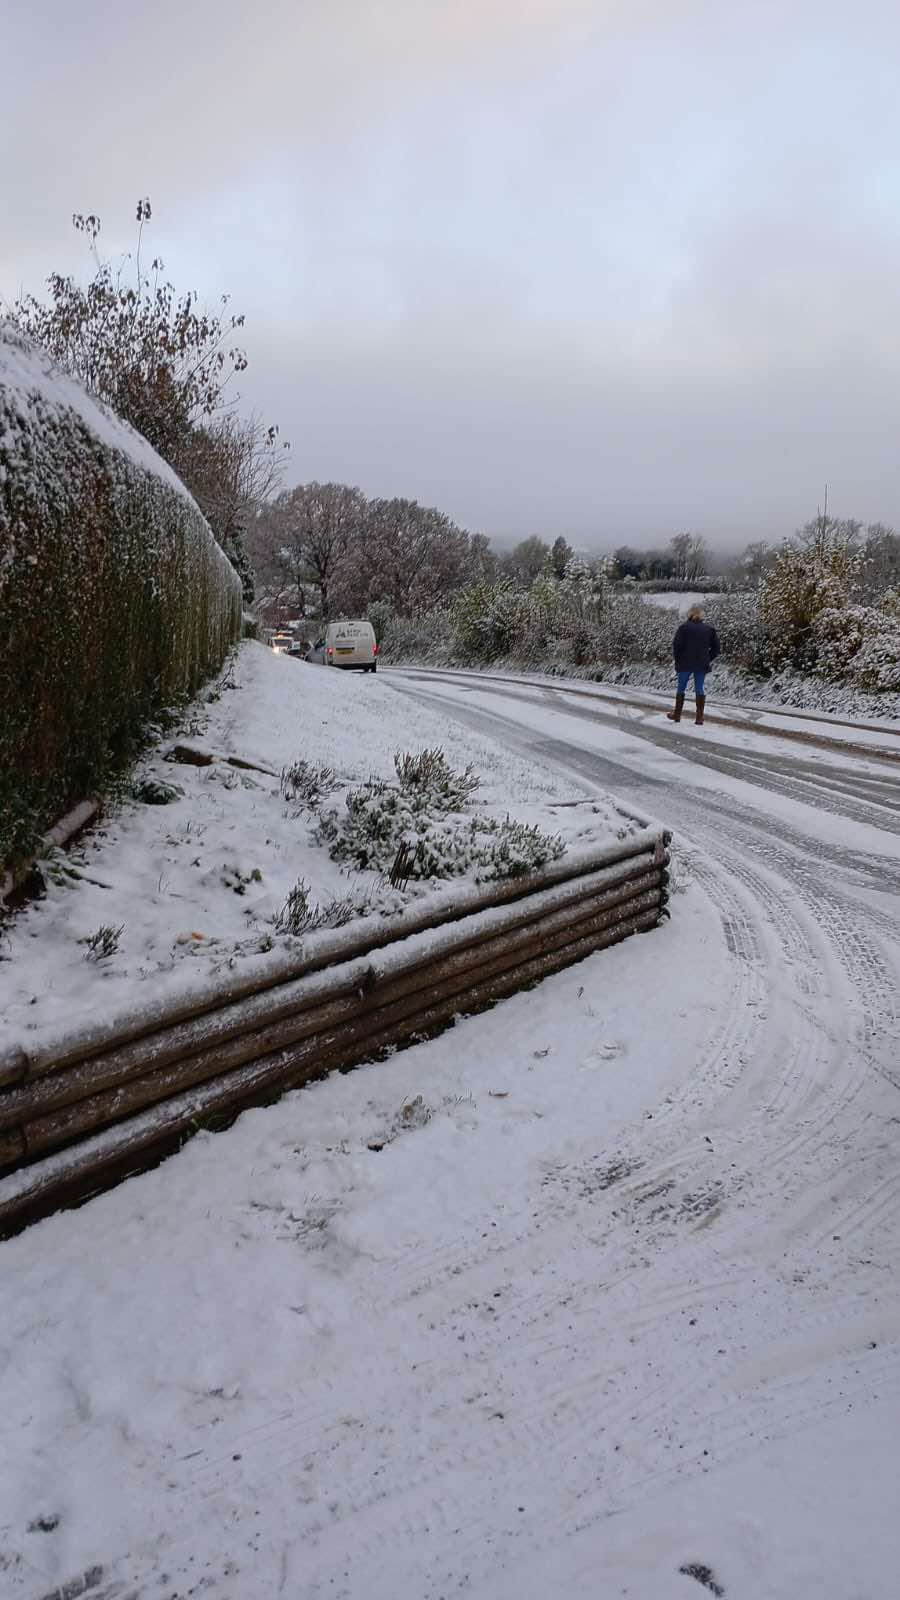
(612, 268)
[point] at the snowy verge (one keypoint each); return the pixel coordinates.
(192, 889)
(185, 1297)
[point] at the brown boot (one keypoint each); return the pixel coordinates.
(701, 707)
(675, 716)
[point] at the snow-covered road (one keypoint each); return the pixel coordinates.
(789, 1123)
(614, 1311)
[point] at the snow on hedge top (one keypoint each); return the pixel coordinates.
(35, 385)
(35, 393)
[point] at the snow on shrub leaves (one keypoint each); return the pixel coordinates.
(425, 812)
(430, 778)
(305, 784)
(115, 599)
(299, 915)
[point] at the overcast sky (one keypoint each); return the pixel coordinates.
(610, 268)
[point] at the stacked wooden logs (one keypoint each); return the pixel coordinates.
(112, 1101)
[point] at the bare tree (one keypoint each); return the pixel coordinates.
(285, 584)
(527, 561)
(881, 561)
(410, 555)
(232, 468)
(482, 560)
(317, 523)
(755, 561)
(690, 556)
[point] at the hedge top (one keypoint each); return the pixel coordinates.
(40, 386)
(36, 393)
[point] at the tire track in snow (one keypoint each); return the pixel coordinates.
(722, 1360)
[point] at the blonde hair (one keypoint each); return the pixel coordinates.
(695, 611)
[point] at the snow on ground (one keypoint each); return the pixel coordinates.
(195, 884)
(594, 1296)
(676, 602)
(290, 1356)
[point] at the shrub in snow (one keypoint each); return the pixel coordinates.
(838, 632)
(430, 779)
(515, 848)
(298, 916)
(421, 823)
(876, 665)
(490, 620)
(155, 792)
(115, 599)
(742, 632)
(305, 784)
(427, 636)
(103, 943)
(381, 615)
(804, 581)
(584, 590)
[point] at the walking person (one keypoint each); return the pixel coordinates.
(695, 647)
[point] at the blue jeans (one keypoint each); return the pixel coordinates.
(699, 680)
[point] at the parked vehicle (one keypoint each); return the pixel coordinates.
(351, 644)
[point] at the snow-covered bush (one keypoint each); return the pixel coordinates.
(381, 614)
(805, 580)
(584, 590)
(440, 840)
(513, 849)
(838, 632)
(431, 781)
(300, 915)
(634, 630)
(876, 665)
(305, 784)
(742, 634)
(427, 636)
(584, 644)
(491, 619)
(115, 599)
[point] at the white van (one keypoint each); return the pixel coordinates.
(351, 644)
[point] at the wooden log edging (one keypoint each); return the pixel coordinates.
(325, 950)
(61, 834)
(70, 1126)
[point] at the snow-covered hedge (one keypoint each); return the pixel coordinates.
(115, 599)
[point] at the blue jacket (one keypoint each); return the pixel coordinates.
(695, 647)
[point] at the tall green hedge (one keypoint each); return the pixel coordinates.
(115, 599)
